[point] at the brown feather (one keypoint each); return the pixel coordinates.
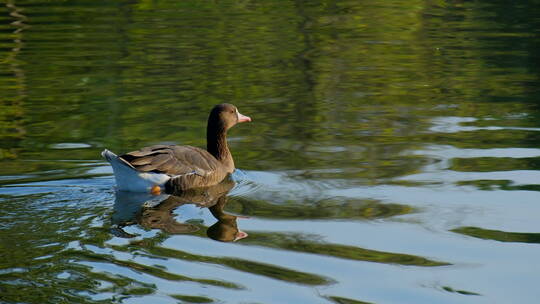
(173, 160)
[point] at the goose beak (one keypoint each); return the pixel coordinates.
(240, 235)
(243, 118)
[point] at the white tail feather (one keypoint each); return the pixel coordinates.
(129, 179)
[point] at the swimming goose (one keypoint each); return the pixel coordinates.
(176, 168)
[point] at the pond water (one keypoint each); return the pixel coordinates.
(393, 157)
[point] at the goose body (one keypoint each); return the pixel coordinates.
(177, 168)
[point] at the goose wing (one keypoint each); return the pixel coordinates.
(173, 160)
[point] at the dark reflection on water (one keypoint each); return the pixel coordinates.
(258, 268)
(497, 235)
(156, 212)
(332, 209)
(393, 157)
(341, 300)
(305, 244)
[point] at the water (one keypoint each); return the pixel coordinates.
(393, 156)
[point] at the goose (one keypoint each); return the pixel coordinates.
(174, 168)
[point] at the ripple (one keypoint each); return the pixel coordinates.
(278, 186)
(146, 269)
(258, 268)
(495, 184)
(449, 152)
(453, 124)
(245, 183)
(519, 177)
(300, 243)
(70, 146)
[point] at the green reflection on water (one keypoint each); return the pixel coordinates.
(494, 184)
(329, 72)
(490, 164)
(339, 90)
(154, 271)
(341, 300)
(335, 208)
(192, 299)
(463, 292)
(497, 235)
(301, 243)
(272, 271)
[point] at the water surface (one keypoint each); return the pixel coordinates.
(393, 157)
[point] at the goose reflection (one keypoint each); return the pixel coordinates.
(156, 212)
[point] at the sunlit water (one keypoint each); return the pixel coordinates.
(393, 156)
